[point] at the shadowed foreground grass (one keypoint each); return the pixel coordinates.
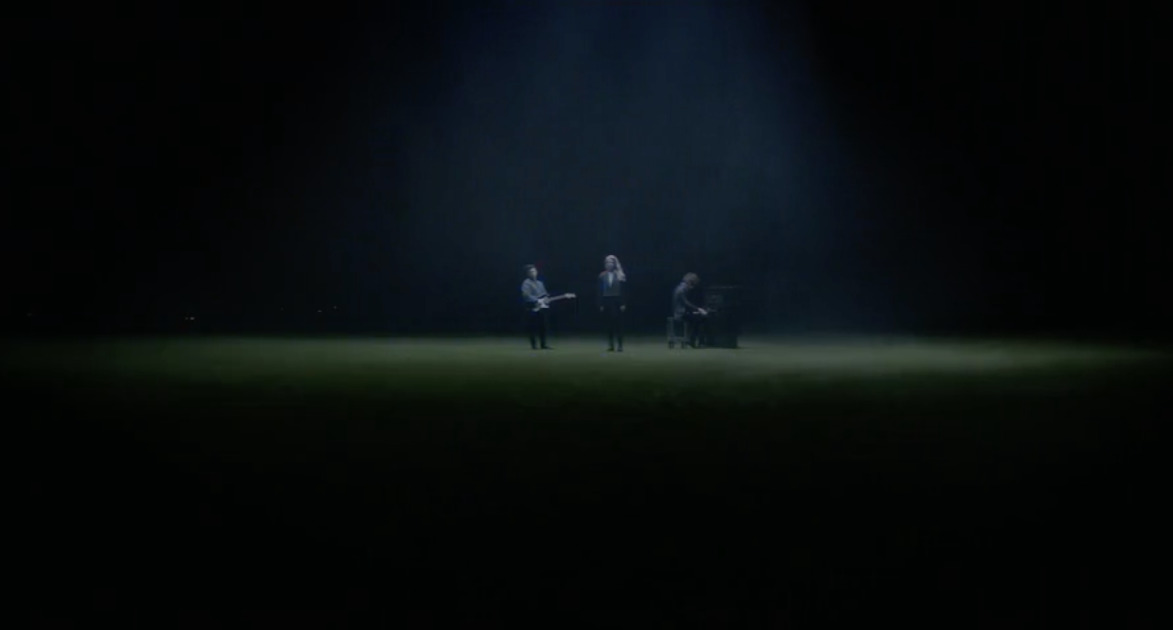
(804, 479)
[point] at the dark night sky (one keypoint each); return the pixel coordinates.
(857, 166)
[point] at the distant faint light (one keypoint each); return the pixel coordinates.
(319, 310)
(335, 308)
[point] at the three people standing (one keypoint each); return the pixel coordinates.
(611, 291)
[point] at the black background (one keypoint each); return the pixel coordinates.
(969, 167)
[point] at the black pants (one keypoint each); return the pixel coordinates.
(697, 327)
(538, 323)
(614, 317)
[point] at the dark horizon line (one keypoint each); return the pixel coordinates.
(1073, 333)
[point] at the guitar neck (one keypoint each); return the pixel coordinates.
(545, 302)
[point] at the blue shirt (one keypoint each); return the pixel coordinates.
(532, 290)
(680, 303)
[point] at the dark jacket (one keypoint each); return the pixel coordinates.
(616, 290)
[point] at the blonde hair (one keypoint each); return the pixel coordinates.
(618, 266)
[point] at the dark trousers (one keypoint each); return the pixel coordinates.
(697, 327)
(537, 324)
(614, 318)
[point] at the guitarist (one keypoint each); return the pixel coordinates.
(537, 302)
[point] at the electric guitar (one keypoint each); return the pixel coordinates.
(545, 302)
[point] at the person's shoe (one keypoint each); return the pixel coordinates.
(546, 348)
(611, 349)
(621, 348)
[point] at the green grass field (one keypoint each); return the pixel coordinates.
(647, 376)
(788, 470)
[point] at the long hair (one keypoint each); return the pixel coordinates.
(618, 267)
